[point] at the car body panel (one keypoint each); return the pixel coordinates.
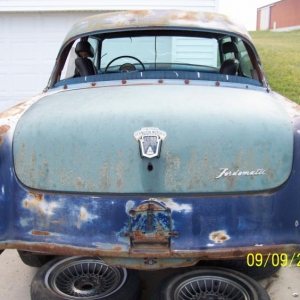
(91, 147)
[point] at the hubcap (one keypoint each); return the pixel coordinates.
(210, 288)
(84, 278)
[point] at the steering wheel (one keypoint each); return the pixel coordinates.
(128, 56)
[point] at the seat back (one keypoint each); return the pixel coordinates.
(84, 66)
(230, 66)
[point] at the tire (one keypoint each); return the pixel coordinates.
(84, 278)
(33, 260)
(254, 272)
(210, 283)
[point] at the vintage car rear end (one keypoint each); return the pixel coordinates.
(166, 156)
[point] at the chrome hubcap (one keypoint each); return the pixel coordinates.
(84, 278)
(210, 288)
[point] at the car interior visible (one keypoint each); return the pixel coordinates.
(192, 55)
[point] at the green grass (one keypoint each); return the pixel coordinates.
(280, 56)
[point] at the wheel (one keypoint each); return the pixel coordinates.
(124, 57)
(212, 284)
(84, 278)
(34, 260)
(255, 272)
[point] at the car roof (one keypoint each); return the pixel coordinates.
(149, 19)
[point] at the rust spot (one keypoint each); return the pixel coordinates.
(141, 13)
(83, 214)
(4, 128)
(217, 83)
(160, 81)
(40, 233)
(15, 110)
(118, 248)
(38, 197)
(138, 232)
(124, 81)
(186, 81)
(93, 84)
(149, 206)
(219, 236)
(187, 16)
(65, 87)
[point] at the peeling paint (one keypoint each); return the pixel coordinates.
(85, 216)
(25, 221)
(36, 203)
(174, 206)
(219, 237)
(129, 205)
(113, 247)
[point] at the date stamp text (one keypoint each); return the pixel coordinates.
(273, 259)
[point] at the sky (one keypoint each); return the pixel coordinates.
(243, 10)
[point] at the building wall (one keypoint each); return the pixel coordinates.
(258, 19)
(285, 14)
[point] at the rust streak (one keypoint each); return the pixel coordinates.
(117, 248)
(214, 254)
(40, 233)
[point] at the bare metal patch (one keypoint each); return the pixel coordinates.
(219, 237)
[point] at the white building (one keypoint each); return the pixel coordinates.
(31, 33)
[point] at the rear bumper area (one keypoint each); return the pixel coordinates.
(150, 260)
(137, 231)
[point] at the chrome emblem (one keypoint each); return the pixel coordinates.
(226, 173)
(150, 140)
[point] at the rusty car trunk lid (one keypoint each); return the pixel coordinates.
(218, 140)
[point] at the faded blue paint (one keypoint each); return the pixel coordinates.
(245, 220)
(82, 141)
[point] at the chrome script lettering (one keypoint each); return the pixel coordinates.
(226, 173)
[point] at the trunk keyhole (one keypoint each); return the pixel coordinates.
(150, 167)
